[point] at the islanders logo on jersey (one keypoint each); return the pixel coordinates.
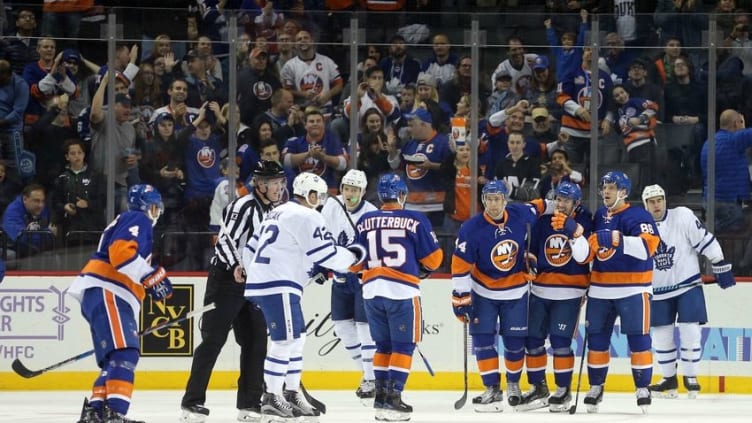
(585, 96)
(604, 254)
(504, 254)
(664, 256)
(414, 172)
(262, 90)
(311, 81)
(557, 250)
(313, 165)
(206, 157)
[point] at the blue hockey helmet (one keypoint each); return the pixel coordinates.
(569, 190)
(391, 187)
(142, 197)
(496, 187)
(620, 179)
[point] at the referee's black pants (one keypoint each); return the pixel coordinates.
(247, 321)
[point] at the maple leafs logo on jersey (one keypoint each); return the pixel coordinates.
(342, 239)
(664, 257)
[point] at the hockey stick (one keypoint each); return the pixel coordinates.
(425, 361)
(347, 214)
(25, 372)
(463, 399)
(573, 408)
(311, 400)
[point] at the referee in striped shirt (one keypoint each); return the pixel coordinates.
(224, 287)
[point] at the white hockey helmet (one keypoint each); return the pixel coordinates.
(651, 191)
(306, 182)
(356, 178)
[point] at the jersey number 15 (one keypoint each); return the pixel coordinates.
(383, 250)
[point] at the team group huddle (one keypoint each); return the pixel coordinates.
(519, 270)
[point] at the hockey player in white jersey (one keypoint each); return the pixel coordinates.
(278, 258)
(348, 311)
(678, 299)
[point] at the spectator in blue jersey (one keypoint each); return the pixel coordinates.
(202, 150)
(319, 151)
(26, 223)
(14, 96)
(46, 78)
(422, 157)
(617, 57)
(732, 185)
(568, 51)
(399, 67)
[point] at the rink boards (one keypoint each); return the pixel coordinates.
(40, 324)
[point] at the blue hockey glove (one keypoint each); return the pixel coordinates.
(157, 284)
(318, 274)
(462, 305)
(608, 238)
(723, 275)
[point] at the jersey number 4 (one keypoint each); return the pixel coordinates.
(384, 251)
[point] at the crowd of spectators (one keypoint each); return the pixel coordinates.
(413, 104)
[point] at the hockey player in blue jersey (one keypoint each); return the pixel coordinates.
(678, 299)
(111, 287)
(490, 273)
(292, 239)
(556, 295)
(622, 245)
(402, 249)
(348, 310)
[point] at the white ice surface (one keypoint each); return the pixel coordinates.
(343, 406)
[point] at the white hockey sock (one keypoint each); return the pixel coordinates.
(295, 369)
(691, 349)
(367, 349)
(276, 365)
(665, 349)
(347, 332)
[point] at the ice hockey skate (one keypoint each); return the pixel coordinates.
(366, 391)
(379, 398)
(89, 414)
(514, 394)
(395, 410)
(249, 415)
(111, 416)
(535, 398)
(666, 388)
(194, 414)
(301, 408)
(559, 401)
(274, 408)
(593, 398)
(643, 399)
(490, 401)
(693, 387)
